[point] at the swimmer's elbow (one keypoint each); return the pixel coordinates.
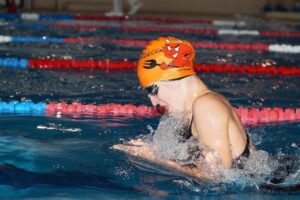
(220, 160)
(217, 162)
(225, 159)
(227, 165)
(227, 162)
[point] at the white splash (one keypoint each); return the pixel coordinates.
(169, 140)
(58, 127)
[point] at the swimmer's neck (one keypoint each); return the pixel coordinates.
(194, 88)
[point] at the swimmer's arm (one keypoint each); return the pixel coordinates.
(211, 123)
(142, 149)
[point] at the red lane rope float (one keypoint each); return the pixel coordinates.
(124, 65)
(232, 46)
(249, 116)
(131, 42)
(253, 116)
(77, 109)
(208, 45)
(181, 30)
(153, 19)
(279, 34)
(271, 70)
(80, 64)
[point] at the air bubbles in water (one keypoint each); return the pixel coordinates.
(294, 145)
(152, 130)
(124, 172)
(258, 163)
(172, 141)
(59, 127)
(187, 184)
(255, 171)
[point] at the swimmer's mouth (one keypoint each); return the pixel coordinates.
(160, 109)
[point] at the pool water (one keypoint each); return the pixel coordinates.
(70, 158)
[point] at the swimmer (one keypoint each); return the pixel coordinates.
(173, 84)
(165, 70)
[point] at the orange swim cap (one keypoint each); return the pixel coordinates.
(165, 59)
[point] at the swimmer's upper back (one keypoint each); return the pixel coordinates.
(219, 106)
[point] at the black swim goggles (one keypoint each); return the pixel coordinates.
(152, 90)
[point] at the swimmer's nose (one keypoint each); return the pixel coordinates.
(154, 100)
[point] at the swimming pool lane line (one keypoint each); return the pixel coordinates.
(211, 31)
(259, 47)
(166, 20)
(197, 31)
(68, 64)
(249, 116)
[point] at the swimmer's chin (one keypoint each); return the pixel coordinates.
(170, 109)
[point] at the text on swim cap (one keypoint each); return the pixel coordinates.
(156, 51)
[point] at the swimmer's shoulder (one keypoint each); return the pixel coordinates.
(209, 101)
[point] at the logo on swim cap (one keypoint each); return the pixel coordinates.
(166, 58)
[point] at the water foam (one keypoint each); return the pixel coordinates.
(170, 142)
(260, 169)
(263, 170)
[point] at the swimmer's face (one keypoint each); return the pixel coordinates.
(167, 96)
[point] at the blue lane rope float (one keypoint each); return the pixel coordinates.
(10, 16)
(37, 39)
(35, 16)
(15, 107)
(14, 63)
(56, 17)
(25, 26)
(9, 39)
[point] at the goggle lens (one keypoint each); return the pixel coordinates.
(152, 90)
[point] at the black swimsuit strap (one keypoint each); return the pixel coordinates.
(246, 152)
(240, 161)
(190, 129)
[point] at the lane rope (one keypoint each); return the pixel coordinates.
(249, 116)
(202, 31)
(63, 64)
(36, 17)
(278, 48)
(167, 20)
(170, 30)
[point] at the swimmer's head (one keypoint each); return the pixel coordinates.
(166, 58)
